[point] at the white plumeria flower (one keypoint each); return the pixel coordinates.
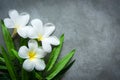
(42, 33)
(18, 22)
(33, 56)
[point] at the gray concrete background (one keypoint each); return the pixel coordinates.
(90, 26)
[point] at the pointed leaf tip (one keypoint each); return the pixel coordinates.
(74, 50)
(64, 70)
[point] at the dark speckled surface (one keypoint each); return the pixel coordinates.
(90, 26)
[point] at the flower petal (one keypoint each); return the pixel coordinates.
(28, 65)
(9, 23)
(40, 53)
(23, 32)
(48, 28)
(32, 33)
(32, 44)
(46, 46)
(23, 19)
(23, 52)
(53, 40)
(38, 25)
(13, 15)
(39, 64)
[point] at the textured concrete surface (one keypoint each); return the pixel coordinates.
(90, 26)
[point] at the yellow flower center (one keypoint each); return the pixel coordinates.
(31, 55)
(40, 37)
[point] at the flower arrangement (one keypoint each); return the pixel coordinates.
(25, 56)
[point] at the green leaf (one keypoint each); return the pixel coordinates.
(16, 55)
(54, 54)
(38, 76)
(60, 65)
(9, 64)
(7, 38)
(63, 71)
(24, 75)
(3, 67)
(28, 75)
(2, 59)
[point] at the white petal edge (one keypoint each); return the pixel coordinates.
(37, 25)
(28, 65)
(53, 40)
(46, 46)
(49, 29)
(23, 31)
(40, 53)
(32, 44)
(13, 15)
(23, 19)
(8, 23)
(39, 64)
(32, 34)
(23, 52)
